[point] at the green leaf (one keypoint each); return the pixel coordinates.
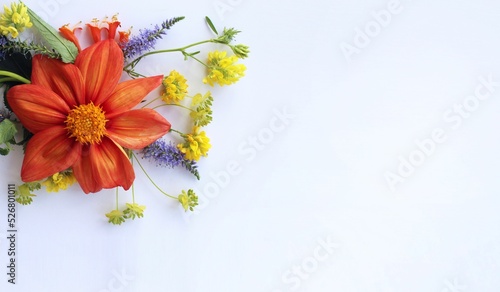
(65, 48)
(4, 151)
(7, 131)
(209, 22)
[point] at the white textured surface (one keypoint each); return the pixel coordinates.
(320, 178)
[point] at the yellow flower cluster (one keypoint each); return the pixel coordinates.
(195, 145)
(116, 217)
(188, 200)
(59, 181)
(175, 88)
(15, 20)
(222, 69)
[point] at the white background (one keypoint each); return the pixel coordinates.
(320, 178)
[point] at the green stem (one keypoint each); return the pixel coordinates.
(151, 102)
(7, 79)
(116, 199)
(15, 76)
(178, 132)
(151, 180)
(174, 104)
(199, 61)
(133, 189)
(181, 49)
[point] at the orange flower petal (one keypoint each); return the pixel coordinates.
(129, 93)
(37, 107)
(101, 65)
(113, 26)
(82, 169)
(137, 129)
(63, 79)
(48, 152)
(106, 166)
(69, 34)
(95, 32)
(123, 37)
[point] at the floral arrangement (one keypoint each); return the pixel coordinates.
(77, 121)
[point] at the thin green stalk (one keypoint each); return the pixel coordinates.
(178, 132)
(7, 79)
(198, 61)
(151, 180)
(134, 62)
(133, 189)
(116, 198)
(150, 102)
(15, 76)
(174, 104)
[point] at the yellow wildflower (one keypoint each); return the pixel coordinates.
(15, 20)
(134, 210)
(175, 88)
(199, 99)
(24, 195)
(222, 69)
(59, 181)
(116, 217)
(195, 144)
(188, 200)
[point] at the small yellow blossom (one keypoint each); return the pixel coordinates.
(59, 181)
(195, 144)
(199, 99)
(202, 111)
(134, 210)
(24, 193)
(175, 88)
(188, 200)
(222, 69)
(116, 217)
(15, 20)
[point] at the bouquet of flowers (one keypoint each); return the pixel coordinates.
(77, 121)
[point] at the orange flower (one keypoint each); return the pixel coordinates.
(69, 34)
(81, 118)
(95, 28)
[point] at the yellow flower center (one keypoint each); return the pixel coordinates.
(87, 123)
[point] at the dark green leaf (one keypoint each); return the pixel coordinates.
(211, 25)
(4, 151)
(65, 48)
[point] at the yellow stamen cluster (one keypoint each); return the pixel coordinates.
(87, 123)
(175, 88)
(222, 69)
(14, 20)
(59, 181)
(195, 145)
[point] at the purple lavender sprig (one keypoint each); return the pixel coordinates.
(146, 40)
(3, 42)
(167, 155)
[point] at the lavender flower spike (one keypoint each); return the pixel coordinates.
(168, 155)
(146, 40)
